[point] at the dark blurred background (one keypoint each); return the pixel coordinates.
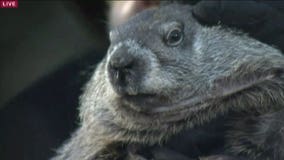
(48, 50)
(38, 37)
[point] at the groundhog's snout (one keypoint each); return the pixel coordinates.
(125, 70)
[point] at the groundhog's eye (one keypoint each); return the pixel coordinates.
(174, 37)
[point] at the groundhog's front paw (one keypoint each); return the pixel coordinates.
(138, 152)
(167, 154)
(131, 156)
(221, 157)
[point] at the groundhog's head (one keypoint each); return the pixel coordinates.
(163, 65)
(149, 62)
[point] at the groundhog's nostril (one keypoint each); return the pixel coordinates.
(122, 68)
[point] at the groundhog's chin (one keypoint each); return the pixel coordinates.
(157, 106)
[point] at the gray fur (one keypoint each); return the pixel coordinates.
(212, 71)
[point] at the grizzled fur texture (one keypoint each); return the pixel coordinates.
(174, 84)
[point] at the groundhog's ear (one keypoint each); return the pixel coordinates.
(121, 11)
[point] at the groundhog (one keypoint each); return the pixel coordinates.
(163, 74)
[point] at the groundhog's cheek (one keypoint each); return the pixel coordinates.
(110, 93)
(158, 82)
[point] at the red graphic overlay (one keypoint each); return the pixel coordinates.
(8, 3)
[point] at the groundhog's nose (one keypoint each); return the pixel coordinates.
(123, 69)
(121, 61)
